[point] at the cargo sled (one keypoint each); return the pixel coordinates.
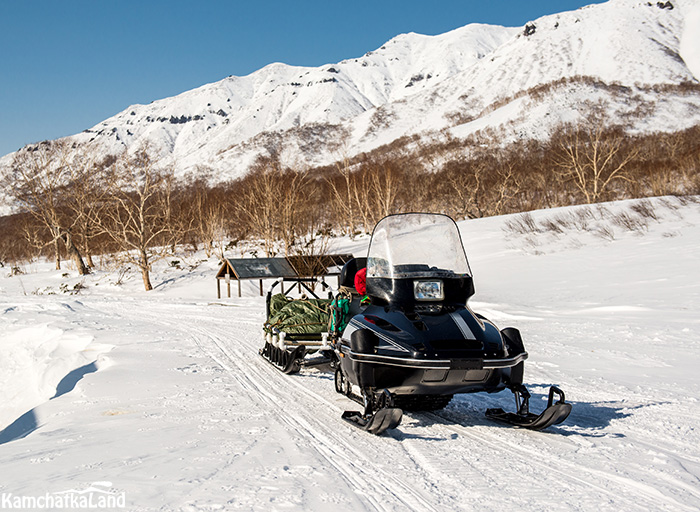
(298, 324)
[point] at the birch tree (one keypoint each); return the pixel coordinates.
(40, 179)
(139, 215)
(592, 158)
(272, 202)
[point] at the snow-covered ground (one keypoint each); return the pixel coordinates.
(160, 400)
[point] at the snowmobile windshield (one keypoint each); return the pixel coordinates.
(416, 245)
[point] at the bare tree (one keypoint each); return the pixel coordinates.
(139, 216)
(87, 197)
(592, 157)
(384, 184)
(15, 246)
(507, 186)
(208, 217)
(257, 205)
(465, 190)
(295, 208)
(272, 202)
(40, 180)
(33, 233)
(343, 192)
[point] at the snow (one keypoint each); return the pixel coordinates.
(36, 357)
(178, 411)
(690, 40)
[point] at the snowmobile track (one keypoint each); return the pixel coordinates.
(372, 483)
(603, 479)
(414, 466)
(355, 466)
(426, 462)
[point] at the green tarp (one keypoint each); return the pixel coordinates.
(298, 316)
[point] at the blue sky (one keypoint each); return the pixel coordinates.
(67, 65)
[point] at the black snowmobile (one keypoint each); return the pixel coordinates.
(413, 342)
(417, 344)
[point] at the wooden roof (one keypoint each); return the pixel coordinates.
(293, 266)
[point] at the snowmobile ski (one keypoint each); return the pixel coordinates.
(554, 413)
(379, 415)
(377, 423)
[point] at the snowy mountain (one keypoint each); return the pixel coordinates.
(224, 125)
(630, 59)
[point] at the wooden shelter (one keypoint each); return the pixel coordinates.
(292, 267)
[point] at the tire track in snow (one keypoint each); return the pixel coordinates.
(255, 376)
(624, 486)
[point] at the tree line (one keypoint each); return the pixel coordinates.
(77, 205)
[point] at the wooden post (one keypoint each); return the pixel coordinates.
(261, 288)
(218, 287)
(239, 287)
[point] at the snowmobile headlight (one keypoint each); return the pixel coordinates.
(428, 290)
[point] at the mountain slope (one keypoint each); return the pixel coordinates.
(625, 43)
(628, 59)
(198, 125)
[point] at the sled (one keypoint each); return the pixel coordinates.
(296, 328)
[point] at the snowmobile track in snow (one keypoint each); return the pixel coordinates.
(414, 467)
(617, 488)
(375, 484)
(372, 483)
(601, 481)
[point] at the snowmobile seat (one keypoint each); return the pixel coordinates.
(347, 274)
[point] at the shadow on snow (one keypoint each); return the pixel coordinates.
(29, 422)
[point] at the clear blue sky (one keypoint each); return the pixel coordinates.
(66, 65)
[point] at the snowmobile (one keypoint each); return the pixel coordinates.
(413, 342)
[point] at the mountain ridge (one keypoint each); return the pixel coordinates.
(456, 84)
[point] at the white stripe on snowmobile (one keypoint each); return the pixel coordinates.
(391, 344)
(462, 325)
